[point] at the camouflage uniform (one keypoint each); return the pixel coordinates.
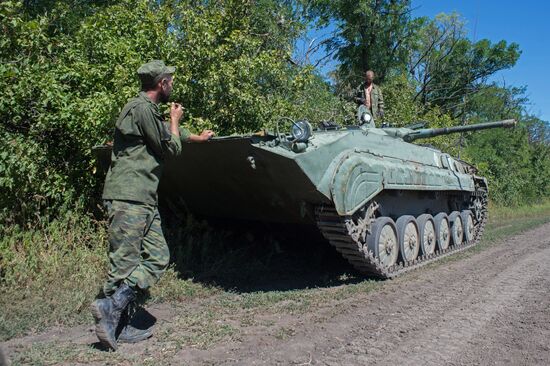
(377, 100)
(138, 253)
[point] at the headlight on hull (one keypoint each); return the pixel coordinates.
(301, 131)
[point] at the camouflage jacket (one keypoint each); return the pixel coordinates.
(377, 100)
(141, 144)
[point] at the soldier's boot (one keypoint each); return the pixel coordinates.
(128, 333)
(107, 313)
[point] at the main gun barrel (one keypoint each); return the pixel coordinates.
(431, 132)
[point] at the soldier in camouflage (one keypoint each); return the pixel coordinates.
(370, 95)
(138, 253)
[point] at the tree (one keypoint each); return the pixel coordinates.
(371, 34)
(517, 161)
(448, 67)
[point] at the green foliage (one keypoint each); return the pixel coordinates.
(402, 110)
(61, 89)
(516, 162)
(67, 69)
(444, 65)
(316, 101)
(518, 172)
(448, 67)
(503, 157)
(372, 34)
(69, 66)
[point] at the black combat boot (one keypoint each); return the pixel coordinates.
(130, 334)
(129, 331)
(107, 314)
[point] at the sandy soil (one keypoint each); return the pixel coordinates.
(491, 308)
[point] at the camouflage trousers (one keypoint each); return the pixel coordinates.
(138, 253)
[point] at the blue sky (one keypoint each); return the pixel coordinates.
(526, 23)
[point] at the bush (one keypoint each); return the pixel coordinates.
(68, 68)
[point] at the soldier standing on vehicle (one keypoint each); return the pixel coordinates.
(138, 253)
(370, 95)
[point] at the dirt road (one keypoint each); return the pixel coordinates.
(491, 308)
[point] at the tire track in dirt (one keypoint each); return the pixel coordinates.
(471, 311)
(487, 297)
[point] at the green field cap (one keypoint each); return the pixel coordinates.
(150, 72)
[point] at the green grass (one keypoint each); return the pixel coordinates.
(50, 275)
(506, 221)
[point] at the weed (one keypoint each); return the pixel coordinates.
(285, 333)
(50, 274)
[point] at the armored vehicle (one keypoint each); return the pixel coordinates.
(386, 204)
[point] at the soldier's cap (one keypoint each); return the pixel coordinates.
(151, 72)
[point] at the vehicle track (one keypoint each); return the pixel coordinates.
(334, 228)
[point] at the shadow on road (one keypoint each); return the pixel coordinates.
(249, 257)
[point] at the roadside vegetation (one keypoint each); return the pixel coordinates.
(53, 272)
(205, 312)
(67, 68)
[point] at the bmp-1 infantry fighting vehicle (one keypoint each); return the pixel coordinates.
(386, 204)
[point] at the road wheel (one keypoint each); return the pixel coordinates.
(382, 241)
(468, 223)
(457, 229)
(443, 230)
(426, 229)
(409, 239)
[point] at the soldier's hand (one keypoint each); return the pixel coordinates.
(176, 112)
(207, 135)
